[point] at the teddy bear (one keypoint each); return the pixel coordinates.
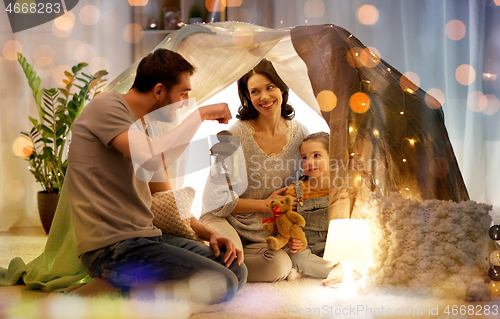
(287, 222)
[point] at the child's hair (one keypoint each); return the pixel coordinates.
(323, 137)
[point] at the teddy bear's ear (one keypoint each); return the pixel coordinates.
(289, 200)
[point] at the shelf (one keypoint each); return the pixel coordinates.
(159, 31)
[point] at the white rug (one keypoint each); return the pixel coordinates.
(305, 297)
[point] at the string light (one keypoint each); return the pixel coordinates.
(407, 188)
(404, 160)
(412, 141)
(401, 112)
(306, 23)
(350, 129)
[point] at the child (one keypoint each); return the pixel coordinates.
(312, 194)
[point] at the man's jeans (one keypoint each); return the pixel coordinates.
(144, 261)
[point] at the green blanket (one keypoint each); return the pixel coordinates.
(58, 266)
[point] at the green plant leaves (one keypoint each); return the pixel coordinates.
(57, 108)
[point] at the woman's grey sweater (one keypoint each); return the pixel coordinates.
(264, 175)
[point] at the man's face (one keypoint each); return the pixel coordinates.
(176, 97)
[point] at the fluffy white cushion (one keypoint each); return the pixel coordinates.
(172, 212)
(432, 247)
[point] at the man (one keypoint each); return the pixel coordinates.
(116, 240)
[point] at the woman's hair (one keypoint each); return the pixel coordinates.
(322, 137)
(161, 66)
(247, 111)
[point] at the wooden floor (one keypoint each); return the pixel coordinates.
(25, 231)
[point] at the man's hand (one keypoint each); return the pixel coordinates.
(295, 245)
(217, 241)
(216, 112)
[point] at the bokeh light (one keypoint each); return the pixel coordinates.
(489, 76)
(85, 53)
(434, 98)
(242, 37)
(371, 56)
(70, 48)
(497, 2)
(61, 33)
(410, 82)
(15, 190)
(11, 48)
(89, 15)
(65, 22)
(44, 55)
(455, 30)
(138, 3)
(474, 101)
(465, 74)
(355, 58)
(133, 33)
(214, 5)
(22, 146)
(367, 14)
(314, 8)
(327, 100)
(58, 74)
(489, 104)
(99, 63)
(439, 167)
(232, 3)
(359, 102)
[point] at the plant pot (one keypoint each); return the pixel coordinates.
(47, 204)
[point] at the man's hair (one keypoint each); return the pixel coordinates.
(161, 66)
(322, 137)
(247, 111)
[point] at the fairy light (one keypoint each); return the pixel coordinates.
(29, 167)
(389, 69)
(375, 133)
(352, 154)
(282, 23)
(407, 188)
(404, 160)
(401, 112)
(351, 129)
(412, 141)
(306, 23)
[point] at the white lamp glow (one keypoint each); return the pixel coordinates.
(347, 242)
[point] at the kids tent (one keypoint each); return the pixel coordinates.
(387, 135)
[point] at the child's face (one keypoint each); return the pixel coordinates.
(315, 159)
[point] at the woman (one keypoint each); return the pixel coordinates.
(270, 142)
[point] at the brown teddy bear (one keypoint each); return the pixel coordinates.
(286, 222)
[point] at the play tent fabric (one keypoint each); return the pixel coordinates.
(400, 132)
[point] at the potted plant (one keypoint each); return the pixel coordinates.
(195, 15)
(57, 109)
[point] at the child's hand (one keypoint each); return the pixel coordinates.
(295, 245)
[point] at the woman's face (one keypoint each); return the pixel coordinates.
(265, 96)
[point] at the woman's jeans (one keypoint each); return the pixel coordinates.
(144, 261)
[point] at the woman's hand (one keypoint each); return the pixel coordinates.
(295, 245)
(276, 195)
